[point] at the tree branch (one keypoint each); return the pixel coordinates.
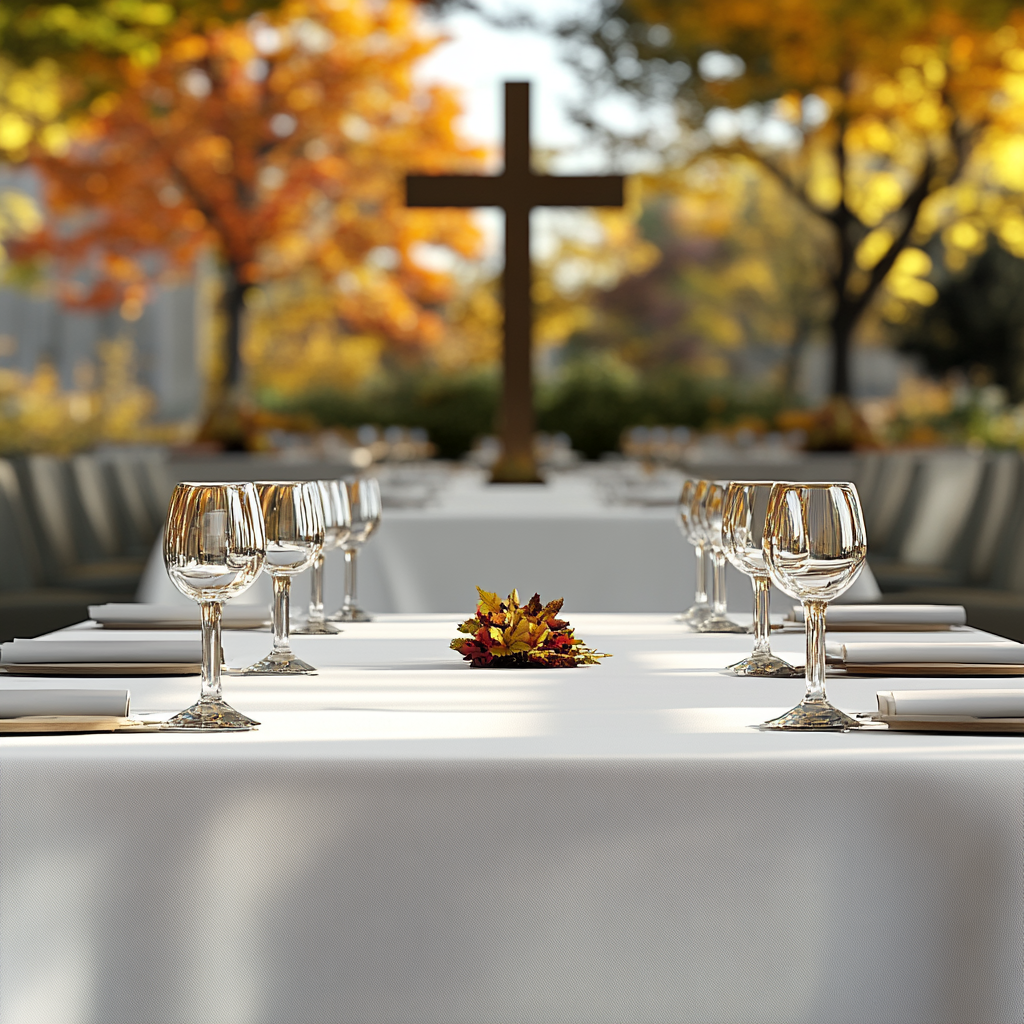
(962, 141)
(794, 189)
(909, 209)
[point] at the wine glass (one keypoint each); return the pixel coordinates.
(295, 536)
(814, 546)
(337, 526)
(700, 609)
(707, 509)
(364, 500)
(743, 519)
(214, 548)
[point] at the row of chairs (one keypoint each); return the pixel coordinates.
(949, 526)
(75, 531)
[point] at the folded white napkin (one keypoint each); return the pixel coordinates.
(92, 703)
(176, 615)
(972, 703)
(891, 614)
(49, 651)
(995, 652)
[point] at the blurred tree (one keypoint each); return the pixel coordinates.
(46, 47)
(736, 288)
(977, 322)
(30, 30)
(888, 121)
(281, 143)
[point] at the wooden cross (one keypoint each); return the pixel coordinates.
(517, 190)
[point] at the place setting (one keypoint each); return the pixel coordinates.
(218, 539)
(809, 539)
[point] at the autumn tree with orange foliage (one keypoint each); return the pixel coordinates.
(281, 144)
(895, 120)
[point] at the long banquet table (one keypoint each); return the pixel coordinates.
(562, 539)
(406, 839)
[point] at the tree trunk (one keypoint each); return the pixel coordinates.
(224, 423)
(841, 326)
(233, 305)
(791, 363)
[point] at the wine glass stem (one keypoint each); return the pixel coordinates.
(350, 577)
(718, 581)
(316, 590)
(210, 612)
(701, 595)
(282, 603)
(814, 617)
(762, 622)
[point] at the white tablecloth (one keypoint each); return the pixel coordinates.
(561, 539)
(406, 839)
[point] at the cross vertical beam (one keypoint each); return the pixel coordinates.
(517, 190)
(516, 415)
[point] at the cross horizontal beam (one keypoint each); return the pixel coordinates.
(513, 190)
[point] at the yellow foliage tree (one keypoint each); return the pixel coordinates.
(281, 143)
(891, 121)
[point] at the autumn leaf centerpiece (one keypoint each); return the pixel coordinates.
(506, 634)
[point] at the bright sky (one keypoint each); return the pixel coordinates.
(478, 59)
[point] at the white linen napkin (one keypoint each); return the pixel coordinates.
(242, 615)
(91, 703)
(890, 614)
(972, 703)
(996, 652)
(49, 651)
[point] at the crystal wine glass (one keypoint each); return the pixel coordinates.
(214, 548)
(700, 609)
(295, 536)
(707, 507)
(337, 526)
(743, 519)
(814, 546)
(364, 500)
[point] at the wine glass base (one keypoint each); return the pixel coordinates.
(314, 629)
(278, 665)
(813, 714)
(766, 665)
(350, 615)
(209, 714)
(720, 624)
(694, 615)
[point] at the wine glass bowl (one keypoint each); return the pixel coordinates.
(744, 513)
(819, 544)
(337, 528)
(364, 497)
(365, 504)
(294, 520)
(815, 544)
(706, 511)
(214, 549)
(700, 609)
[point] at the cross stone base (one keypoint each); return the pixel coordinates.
(513, 469)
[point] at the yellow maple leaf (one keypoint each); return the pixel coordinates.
(489, 603)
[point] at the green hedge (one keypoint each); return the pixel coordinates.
(592, 400)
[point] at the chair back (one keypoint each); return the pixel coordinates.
(945, 491)
(20, 565)
(48, 500)
(890, 502)
(93, 483)
(158, 485)
(989, 525)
